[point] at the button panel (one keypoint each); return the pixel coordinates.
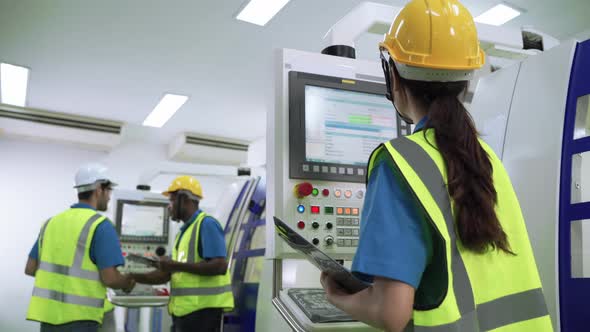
(330, 211)
(319, 170)
(347, 231)
(141, 249)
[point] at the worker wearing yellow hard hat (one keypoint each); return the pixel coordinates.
(443, 241)
(198, 270)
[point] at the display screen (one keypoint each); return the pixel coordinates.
(143, 220)
(344, 127)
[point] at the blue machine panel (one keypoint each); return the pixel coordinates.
(574, 293)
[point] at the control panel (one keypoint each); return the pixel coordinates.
(141, 249)
(142, 223)
(327, 214)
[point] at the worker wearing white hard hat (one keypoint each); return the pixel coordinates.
(75, 258)
(90, 176)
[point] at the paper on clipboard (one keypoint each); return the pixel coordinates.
(142, 260)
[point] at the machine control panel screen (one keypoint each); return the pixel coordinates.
(344, 127)
(334, 125)
(142, 221)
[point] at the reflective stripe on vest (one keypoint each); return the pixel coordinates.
(200, 291)
(76, 269)
(67, 283)
(486, 316)
(68, 298)
(69, 271)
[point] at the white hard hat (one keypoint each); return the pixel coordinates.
(90, 176)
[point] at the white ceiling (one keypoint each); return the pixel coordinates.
(115, 59)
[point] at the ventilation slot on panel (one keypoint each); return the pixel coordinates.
(208, 149)
(216, 143)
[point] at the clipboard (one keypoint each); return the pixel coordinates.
(142, 260)
(321, 260)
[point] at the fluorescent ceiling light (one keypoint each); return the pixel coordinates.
(497, 15)
(164, 110)
(261, 11)
(13, 83)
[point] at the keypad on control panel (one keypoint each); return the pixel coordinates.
(331, 211)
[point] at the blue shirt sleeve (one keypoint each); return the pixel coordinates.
(34, 254)
(212, 239)
(394, 242)
(105, 249)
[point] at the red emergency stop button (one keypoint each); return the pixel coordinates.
(303, 189)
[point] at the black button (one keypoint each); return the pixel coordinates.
(315, 225)
(315, 241)
(329, 240)
(329, 225)
(160, 251)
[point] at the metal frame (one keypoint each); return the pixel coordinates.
(574, 292)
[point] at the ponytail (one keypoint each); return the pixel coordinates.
(469, 170)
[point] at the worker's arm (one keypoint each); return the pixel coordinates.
(208, 267)
(33, 260)
(386, 305)
(31, 267)
(112, 278)
(105, 252)
(152, 278)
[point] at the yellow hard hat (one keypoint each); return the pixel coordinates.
(187, 183)
(437, 35)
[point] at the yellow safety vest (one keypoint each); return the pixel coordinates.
(67, 283)
(190, 292)
(108, 306)
(482, 292)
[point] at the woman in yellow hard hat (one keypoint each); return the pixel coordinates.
(443, 240)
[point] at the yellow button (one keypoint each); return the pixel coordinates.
(337, 193)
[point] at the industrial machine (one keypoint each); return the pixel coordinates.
(142, 223)
(141, 220)
(534, 115)
(321, 132)
(330, 114)
(246, 225)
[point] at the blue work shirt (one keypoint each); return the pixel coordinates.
(395, 235)
(211, 238)
(105, 248)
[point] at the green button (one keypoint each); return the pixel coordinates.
(328, 210)
(315, 191)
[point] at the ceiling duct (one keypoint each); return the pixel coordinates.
(197, 148)
(41, 125)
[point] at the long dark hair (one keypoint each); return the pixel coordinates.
(469, 170)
